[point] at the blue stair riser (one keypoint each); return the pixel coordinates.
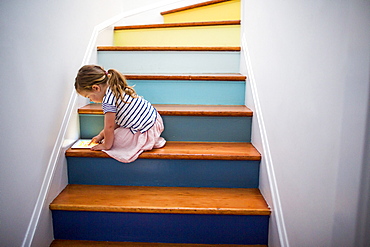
(156, 62)
(191, 92)
(185, 128)
(165, 228)
(164, 172)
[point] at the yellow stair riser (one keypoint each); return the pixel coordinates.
(229, 10)
(224, 36)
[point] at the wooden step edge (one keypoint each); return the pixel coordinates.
(177, 210)
(87, 243)
(185, 77)
(187, 150)
(162, 200)
(165, 48)
(184, 110)
(186, 24)
(193, 6)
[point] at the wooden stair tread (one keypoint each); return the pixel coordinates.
(194, 77)
(174, 200)
(187, 150)
(165, 48)
(86, 243)
(193, 6)
(184, 110)
(186, 24)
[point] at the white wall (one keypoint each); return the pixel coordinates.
(310, 62)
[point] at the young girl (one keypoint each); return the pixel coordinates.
(131, 124)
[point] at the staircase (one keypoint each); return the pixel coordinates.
(201, 189)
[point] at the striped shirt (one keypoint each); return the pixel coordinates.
(137, 114)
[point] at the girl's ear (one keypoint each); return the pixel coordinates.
(95, 88)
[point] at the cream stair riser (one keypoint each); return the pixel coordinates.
(208, 36)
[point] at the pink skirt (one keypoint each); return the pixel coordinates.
(128, 146)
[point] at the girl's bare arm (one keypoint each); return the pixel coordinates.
(107, 132)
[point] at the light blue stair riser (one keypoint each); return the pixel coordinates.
(164, 172)
(165, 228)
(185, 128)
(191, 92)
(156, 62)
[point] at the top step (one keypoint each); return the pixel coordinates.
(176, 25)
(216, 10)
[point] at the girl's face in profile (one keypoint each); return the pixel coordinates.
(96, 94)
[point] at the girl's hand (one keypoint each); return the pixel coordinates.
(99, 147)
(96, 139)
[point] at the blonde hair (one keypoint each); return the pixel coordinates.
(90, 75)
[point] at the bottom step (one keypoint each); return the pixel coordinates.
(77, 243)
(161, 214)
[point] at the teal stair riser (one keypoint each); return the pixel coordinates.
(164, 172)
(185, 128)
(156, 62)
(90, 125)
(164, 228)
(191, 92)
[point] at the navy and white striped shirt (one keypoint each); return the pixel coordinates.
(137, 114)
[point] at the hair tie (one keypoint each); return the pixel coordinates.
(106, 72)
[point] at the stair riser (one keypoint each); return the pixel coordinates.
(228, 35)
(229, 10)
(156, 62)
(185, 128)
(159, 172)
(170, 228)
(191, 92)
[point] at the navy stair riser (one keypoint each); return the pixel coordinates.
(155, 62)
(185, 128)
(191, 92)
(166, 228)
(164, 172)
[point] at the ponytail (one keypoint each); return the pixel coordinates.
(119, 86)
